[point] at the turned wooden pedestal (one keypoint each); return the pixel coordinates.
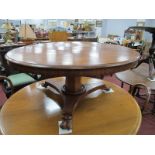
(72, 92)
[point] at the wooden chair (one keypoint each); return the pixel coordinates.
(58, 36)
(15, 82)
(139, 86)
(135, 89)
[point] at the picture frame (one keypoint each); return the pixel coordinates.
(140, 23)
(98, 23)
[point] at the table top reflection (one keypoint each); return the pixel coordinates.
(72, 55)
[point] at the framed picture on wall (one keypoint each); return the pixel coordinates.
(140, 23)
(98, 23)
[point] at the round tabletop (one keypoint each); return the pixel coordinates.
(35, 110)
(77, 56)
(137, 75)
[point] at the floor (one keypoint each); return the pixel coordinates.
(148, 121)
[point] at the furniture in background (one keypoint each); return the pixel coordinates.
(4, 48)
(109, 40)
(72, 60)
(58, 36)
(41, 34)
(133, 34)
(11, 80)
(102, 39)
(13, 83)
(35, 110)
(134, 39)
(151, 57)
(138, 75)
(112, 36)
(135, 91)
(137, 45)
(85, 39)
(143, 72)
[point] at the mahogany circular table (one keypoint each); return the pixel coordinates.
(72, 60)
(36, 110)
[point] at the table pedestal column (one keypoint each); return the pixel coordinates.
(72, 92)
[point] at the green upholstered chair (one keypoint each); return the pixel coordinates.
(15, 82)
(20, 79)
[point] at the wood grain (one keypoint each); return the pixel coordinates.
(33, 110)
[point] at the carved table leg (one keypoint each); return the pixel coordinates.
(70, 103)
(147, 90)
(72, 92)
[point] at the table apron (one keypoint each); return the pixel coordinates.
(50, 72)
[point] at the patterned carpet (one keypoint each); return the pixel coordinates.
(148, 121)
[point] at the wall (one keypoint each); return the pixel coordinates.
(117, 26)
(14, 22)
(147, 35)
(32, 21)
(109, 26)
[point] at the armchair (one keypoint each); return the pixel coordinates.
(15, 82)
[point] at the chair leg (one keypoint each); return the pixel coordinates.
(130, 88)
(147, 90)
(153, 109)
(122, 84)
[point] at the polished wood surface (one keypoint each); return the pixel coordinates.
(137, 75)
(35, 110)
(72, 55)
(72, 60)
